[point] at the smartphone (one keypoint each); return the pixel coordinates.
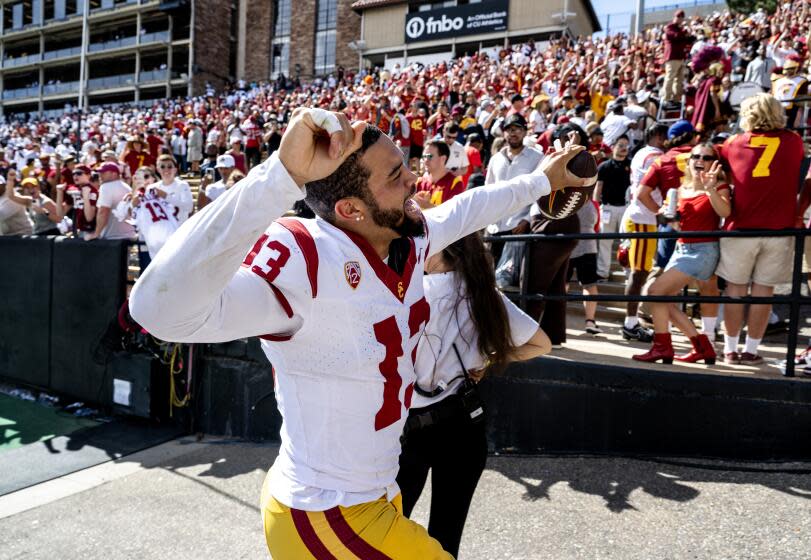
(210, 173)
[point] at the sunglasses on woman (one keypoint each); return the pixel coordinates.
(697, 157)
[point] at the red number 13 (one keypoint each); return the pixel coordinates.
(388, 334)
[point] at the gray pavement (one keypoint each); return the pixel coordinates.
(199, 500)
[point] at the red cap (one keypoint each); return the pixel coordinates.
(83, 167)
(111, 167)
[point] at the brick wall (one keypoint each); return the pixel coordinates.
(302, 37)
(212, 20)
(348, 29)
(259, 34)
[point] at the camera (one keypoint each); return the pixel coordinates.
(210, 173)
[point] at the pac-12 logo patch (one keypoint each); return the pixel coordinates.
(352, 273)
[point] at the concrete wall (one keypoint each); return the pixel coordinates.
(385, 27)
(665, 16)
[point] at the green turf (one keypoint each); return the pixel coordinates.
(23, 422)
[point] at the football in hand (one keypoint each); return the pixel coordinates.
(567, 201)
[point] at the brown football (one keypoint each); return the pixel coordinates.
(567, 201)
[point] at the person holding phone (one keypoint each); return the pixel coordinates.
(210, 189)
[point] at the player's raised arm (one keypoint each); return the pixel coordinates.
(475, 209)
(195, 290)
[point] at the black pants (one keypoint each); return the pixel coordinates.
(455, 451)
(252, 157)
(547, 274)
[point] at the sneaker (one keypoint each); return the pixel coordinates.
(639, 333)
(732, 358)
(592, 328)
(751, 359)
(804, 357)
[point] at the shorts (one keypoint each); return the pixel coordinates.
(767, 261)
(586, 267)
(375, 530)
(698, 260)
(415, 152)
(807, 261)
(642, 251)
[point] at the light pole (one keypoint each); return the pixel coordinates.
(640, 10)
(83, 69)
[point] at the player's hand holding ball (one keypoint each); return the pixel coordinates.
(556, 168)
(317, 142)
(572, 173)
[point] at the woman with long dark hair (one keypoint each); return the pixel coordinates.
(473, 330)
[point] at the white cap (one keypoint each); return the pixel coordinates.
(225, 160)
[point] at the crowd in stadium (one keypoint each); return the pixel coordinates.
(655, 110)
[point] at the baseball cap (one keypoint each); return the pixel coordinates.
(678, 128)
(83, 168)
(225, 160)
(110, 167)
(514, 120)
(29, 182)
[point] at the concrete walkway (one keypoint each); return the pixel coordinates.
(195, 500)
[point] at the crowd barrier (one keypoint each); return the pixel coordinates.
(60, 295)
(795, 299)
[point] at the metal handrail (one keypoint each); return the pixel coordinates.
(795, 300)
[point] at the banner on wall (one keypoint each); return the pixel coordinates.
(469, 19)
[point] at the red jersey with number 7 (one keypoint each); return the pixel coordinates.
(764, 170)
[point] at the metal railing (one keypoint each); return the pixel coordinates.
(795, 299)
(155, 37)
(112, 44)
(111, 81)
(61, 53)
(66, 87)
(21, 60)
(21, 93)
(153, 76)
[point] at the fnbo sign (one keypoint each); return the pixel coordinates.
(485, 17)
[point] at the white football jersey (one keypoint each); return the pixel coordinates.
(154, 218)
(351, 394)
(338, 325)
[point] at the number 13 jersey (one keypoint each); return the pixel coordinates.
(344, 380)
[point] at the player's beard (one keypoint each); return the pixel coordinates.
(397, 219)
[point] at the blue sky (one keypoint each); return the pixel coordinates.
(620, 11)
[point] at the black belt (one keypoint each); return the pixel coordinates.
(448, 408)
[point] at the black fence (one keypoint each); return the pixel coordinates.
(795, 299)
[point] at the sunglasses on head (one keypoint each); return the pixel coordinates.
(697, 157)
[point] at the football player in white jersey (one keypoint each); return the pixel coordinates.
(339, 304)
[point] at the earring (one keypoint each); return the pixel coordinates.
(357, 219)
